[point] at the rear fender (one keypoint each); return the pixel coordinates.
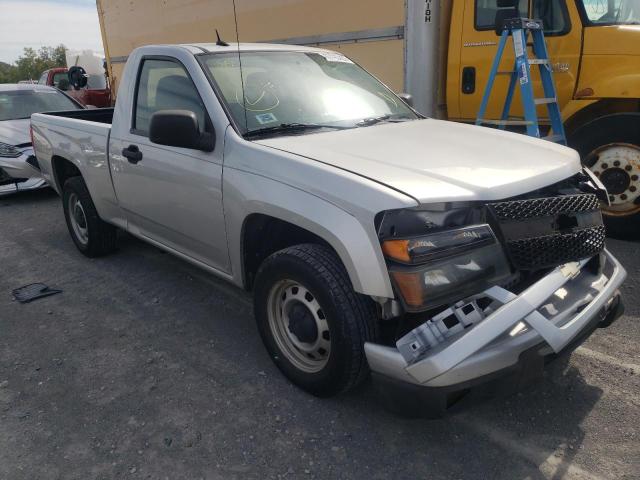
(84, 145)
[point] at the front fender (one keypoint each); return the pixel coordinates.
(610, 76)
(358, 248)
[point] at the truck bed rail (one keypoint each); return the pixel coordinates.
(100, 115)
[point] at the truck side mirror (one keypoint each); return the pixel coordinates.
(179, 128)
(77, 77)
(406, 98)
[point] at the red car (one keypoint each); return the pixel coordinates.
(96, 93)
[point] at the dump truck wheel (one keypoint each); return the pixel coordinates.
(610, 147)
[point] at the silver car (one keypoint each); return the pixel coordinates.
(19, 169)
(437, 256)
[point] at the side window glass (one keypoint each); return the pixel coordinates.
(165, 85)
(553, 14)
(491, 12)
(57, 77)
(43, 78)
(612, 12)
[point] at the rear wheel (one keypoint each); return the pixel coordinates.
(89, 232)
(610, 147)
(312, 322)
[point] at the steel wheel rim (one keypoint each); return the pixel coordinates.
(624, 160)
(78, 219)
(307, 356)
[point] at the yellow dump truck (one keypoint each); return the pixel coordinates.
(440, 52)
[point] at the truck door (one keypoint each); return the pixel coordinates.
(171, 195)
(563, 34)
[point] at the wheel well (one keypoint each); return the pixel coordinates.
(263, 235)
(63, 169)
(599, 109)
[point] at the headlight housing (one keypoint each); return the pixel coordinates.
(9, 151)
(444, 266)
(438, 245)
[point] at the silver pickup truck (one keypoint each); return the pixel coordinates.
(434, 255)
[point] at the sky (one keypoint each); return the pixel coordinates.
(37, 23)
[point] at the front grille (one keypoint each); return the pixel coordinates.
(544, 207)
(550, 250)
(545, 232)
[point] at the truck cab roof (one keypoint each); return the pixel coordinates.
(198, 48)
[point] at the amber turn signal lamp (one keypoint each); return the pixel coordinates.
(410, 287)
(585, 92)
(397, 250)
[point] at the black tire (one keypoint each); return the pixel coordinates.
(351, 317)
(101, 236)
(623, 128)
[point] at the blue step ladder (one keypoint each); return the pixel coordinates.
(519, 29)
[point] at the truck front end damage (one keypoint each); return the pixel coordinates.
(491, 289)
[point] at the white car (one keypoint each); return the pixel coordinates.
(19, 169)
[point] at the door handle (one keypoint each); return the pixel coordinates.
(468, 80)
(132, 153)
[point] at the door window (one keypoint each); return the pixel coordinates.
(488, 10)
(164, 85)
(43, 78)
(553, 14)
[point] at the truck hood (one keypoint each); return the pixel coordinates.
(437, 161)
(15, 132)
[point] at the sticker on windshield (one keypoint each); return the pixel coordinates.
(334, 57)
(265, 118)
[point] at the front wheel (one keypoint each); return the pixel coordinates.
(610, 147)
(313, 324)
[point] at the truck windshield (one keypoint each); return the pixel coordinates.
(314, 89)
(612, 12)
(15, 104)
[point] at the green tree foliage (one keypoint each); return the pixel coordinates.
(32, 63)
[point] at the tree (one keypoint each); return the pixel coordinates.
(32, 63)
(6, 72)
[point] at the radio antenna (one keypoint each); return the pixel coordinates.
(220, 42)
(244, 101)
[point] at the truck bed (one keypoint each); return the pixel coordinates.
(80, 137)
(100, 115)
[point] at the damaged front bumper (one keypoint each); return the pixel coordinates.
(20, 173)
(545, 318)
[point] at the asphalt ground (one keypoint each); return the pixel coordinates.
(146, 367)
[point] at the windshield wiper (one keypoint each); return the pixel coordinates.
(365, 122)
(290, 127)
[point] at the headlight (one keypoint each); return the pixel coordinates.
(9, 151)
(446, 266)
(437, 245)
